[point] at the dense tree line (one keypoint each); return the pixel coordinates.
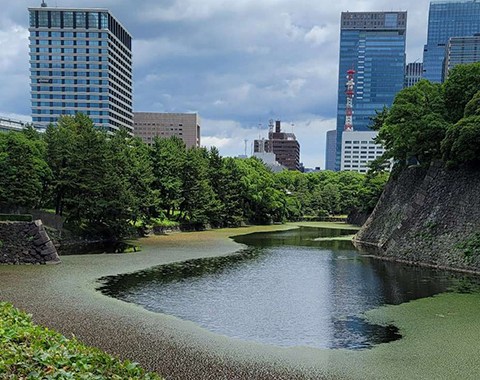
(431, 121)
(107, 184)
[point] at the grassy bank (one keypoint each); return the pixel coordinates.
(32, 352)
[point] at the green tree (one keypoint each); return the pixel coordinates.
(23, 168)
(462, 84)
(168, 158)
(415, 125)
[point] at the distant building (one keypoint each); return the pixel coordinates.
(447, 19)
(186, 126)
(461, 50)
(7, 125)
(330, 150)
(268, 158)
(80, 62)
(284, 145)
(316, 169)
(358, 150)
(373, 44)
(413, 73)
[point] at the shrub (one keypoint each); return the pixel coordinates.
(28, 351)
(16, 217)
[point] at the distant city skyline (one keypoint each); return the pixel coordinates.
(201, 57)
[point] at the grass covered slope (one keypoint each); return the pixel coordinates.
(32, 352)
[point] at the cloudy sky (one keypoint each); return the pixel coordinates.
(238, 63)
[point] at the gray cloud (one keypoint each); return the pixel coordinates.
(237, 63)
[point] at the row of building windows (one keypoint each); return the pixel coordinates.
(83, 74)
(69, 97)
(68, 50)
(69, 105)
(54, 119)
(68, 43)
(69, 89)
(72, 81)
(68, 66)
(70, 112)
(68, 19)
(68, 34)
(67, 58)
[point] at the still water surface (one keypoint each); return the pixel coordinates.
(284, 289)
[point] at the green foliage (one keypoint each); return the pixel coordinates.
(109, 184)
(16, 217)
(430, 121)
(471, 248)
(32, 352)
(462, 84)
(23, 169)
(415, 126)
(461, 146)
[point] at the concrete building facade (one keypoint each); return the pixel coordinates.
(330, 150)
(373, 44)
(461, 50)
(284, 145)
(358, 150)
(7, 125)
(413, 73)
(80, 61)
(186, 126)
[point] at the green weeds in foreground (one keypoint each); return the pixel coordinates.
(32, 352)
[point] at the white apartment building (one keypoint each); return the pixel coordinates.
(80, 61)
(358, 150)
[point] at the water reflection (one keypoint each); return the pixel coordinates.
(284, 289)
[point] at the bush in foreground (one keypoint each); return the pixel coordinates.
(32, 352)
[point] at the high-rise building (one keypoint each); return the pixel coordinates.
(447, 19)
(80, 61)
(358, 150)
(186, 126)
(413, 73)
(284, 145)
(330, 150)
(373, 45)
(461, 50)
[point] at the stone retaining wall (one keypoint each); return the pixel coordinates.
(428, 217)
(26, 243)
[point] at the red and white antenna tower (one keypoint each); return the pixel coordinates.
(350, 95)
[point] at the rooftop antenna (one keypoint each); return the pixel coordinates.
(44, 4)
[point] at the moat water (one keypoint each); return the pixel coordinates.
(288, 288)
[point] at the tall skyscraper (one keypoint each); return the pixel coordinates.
(413, 73)
(80, 61)
(447, 19)
(461, 50)
(372, 44)
(330, 150)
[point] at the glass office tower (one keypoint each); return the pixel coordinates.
(80, 61)
(373, 44)
(447, 19)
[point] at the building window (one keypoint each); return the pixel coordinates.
(81, 18)
(93, 20)
(68, 21)
(43, 19)
(55, 19)
(104, 20)
(33, 19)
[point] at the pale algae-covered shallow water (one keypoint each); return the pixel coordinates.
(440, 334)
(286, 288)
